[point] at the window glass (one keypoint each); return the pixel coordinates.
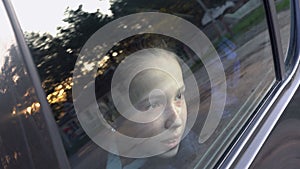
(284, 20)
(283, 8)
(119, 74)
(284, 12)
(24, 138)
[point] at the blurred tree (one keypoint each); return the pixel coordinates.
(15, 82)
(188, 9)
(55, 56)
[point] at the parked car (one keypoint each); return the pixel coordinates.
(149, 84)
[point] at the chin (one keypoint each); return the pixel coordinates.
(170, 153)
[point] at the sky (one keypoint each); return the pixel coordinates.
(45, 16)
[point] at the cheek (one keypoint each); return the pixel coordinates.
(149, 130)
(180, 105)
(141, 130)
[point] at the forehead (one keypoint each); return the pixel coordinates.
(156, 78)
(155, 61)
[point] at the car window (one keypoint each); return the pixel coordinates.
(117, 73)
(24, 138)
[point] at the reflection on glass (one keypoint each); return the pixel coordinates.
(237, 30)
(283, 8)
(24, 138)
(284, 20)
(153, 91)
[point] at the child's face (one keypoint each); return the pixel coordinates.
(155, 90)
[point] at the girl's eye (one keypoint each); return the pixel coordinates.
(178, 96)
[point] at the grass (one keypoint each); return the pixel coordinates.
(251, 19)
(256, 16)
(282, 5)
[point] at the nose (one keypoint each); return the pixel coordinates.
(173, 119)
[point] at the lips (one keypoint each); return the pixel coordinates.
(172, 142)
